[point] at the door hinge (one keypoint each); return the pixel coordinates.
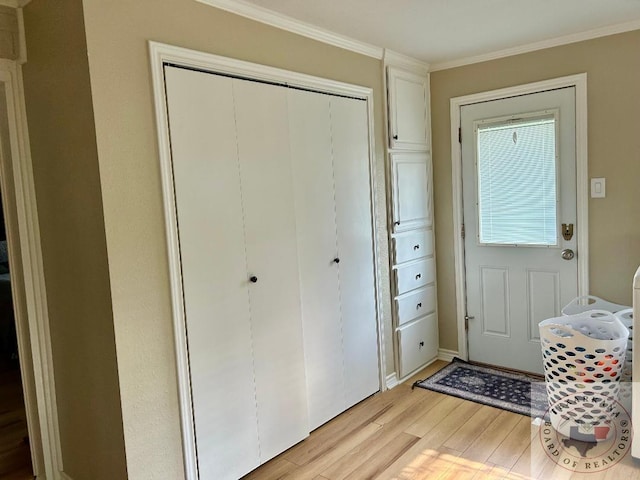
(462, 232)
(459, 135)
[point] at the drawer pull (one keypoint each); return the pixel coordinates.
(416, 247)
(336, 260)
(418, 276)
(421, 344)
(396, 223)
(253, 279)
(418, 306)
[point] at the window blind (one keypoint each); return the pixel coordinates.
(517, 184)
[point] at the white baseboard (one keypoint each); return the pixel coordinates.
(447, 355)
(392, 381)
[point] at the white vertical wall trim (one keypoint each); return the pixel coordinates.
(22, 39)
(578, 81)
(391, 381)
(34, 283)
(161, 54)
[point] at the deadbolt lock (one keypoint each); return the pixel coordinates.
(567, 231)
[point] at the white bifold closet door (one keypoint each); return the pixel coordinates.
(275, 234)
(236, 220)
(330, 154)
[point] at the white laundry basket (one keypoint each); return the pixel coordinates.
(591, 302)
(583, 358)
(625, 314)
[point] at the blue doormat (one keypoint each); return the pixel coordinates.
(514, 392)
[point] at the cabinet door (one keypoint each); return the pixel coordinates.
(270, 233)
(418, 344)
(411, 191)
(350, 133)
(311, 150)
(214, 275)
(408, 110)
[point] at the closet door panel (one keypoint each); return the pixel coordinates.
(207, 191)
(265, 169)
(310, 133)
(350, 134)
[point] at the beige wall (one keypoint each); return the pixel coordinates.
(67, 183)
(117, 35)
(613, 68)
(9, 38)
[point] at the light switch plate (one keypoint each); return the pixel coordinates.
(598, 188)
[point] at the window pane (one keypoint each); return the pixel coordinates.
(517, 183)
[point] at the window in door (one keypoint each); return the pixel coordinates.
(517, 180)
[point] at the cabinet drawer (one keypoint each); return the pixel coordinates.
(416, 304)
(418, 344)
(414, 275)
(411, 245)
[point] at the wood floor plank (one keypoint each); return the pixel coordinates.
(426, 372)
(408, 401)
(431, 418)
(330, 434)
(428, 446)
(448, 425)
(514, 444)
(493, 435)
(315, 467)
(416, 464)
(472, 428)
(490, 472)
(392, 429)
(384, 457)
(273, 470)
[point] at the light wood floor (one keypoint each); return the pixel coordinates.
(419, 434)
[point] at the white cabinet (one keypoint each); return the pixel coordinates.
(274, 222)
(408, 100)
(411, 220)
(411, 190)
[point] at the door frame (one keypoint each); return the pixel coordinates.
(32, 325)
(579, 81)
(161, 54)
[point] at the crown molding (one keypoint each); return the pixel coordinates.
(532, 47)
(405, 62)
(284, 22)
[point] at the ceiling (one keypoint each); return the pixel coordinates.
(440, 31)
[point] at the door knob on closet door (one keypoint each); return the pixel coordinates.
(253, 279)
(336, 260)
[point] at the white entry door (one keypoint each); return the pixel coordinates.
(519, 189)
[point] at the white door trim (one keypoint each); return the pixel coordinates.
(161, 54)
(36, 317)
(578, 81)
